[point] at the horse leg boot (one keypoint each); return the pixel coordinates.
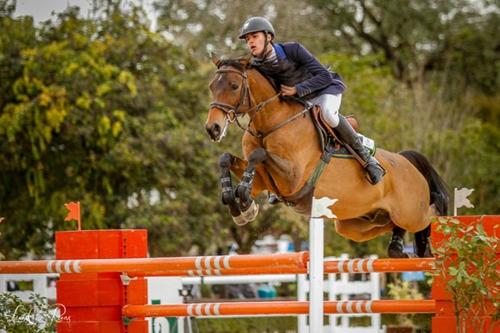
(228, 197)
(396, 247)
(350, 137)
(248, 206)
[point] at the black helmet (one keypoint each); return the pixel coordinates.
(255, 24)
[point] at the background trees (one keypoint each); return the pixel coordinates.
(104, 110)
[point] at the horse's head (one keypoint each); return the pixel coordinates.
(230, 96)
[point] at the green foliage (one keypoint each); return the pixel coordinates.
(99, 111)
(403, 290)
(19, 317)
(407, 291)
(418, 37)
(203, 26)
(467, 262)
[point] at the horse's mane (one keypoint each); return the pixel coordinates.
(244, 63)
(241, 63)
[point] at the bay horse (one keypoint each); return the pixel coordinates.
(281, 149)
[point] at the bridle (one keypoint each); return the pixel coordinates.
(245, 94)
(232, 112)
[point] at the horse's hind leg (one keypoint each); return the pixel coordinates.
(422, 245)
(396, 246)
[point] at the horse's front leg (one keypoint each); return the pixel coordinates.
(226, 162)
(229, 162)
(248, 206)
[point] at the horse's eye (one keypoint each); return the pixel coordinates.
(234, 86)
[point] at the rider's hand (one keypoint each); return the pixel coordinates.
(288, 91)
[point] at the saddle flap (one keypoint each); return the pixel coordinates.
(336, 148)
(322, 122)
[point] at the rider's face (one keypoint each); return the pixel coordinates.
(255, 42)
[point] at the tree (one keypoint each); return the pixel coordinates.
(203, 26)
(414, 36)
(99, 111)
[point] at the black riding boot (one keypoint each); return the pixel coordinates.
(347, 134)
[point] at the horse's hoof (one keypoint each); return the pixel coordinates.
(428, 253)
(396, 251)
(240, 220)
(248, 215)
(397, 254)
(251, 213)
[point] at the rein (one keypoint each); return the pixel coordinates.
(232, 112)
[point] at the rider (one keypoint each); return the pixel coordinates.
(297, 72)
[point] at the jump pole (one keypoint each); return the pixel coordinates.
(149, 267)
(278, 308)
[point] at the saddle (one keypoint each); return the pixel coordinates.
(329, 141)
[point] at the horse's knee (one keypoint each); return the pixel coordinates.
(225, 160)
(257, 156)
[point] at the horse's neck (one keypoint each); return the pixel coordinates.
(293, 149)
(276, 111)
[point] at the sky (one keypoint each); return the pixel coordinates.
(41, 10)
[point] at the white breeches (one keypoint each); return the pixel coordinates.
(330, 105)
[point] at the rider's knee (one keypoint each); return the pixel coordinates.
(330, 105)
(331, 118)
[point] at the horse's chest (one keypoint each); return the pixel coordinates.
(278, 164)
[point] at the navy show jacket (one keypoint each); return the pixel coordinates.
(319, 80)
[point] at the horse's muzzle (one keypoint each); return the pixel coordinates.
(214, 131)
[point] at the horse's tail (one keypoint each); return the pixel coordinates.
(438, 195)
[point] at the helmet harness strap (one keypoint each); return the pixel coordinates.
(266, 43)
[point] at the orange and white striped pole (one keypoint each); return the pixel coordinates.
(278, 308)
(367, 265)
(330, 266)
(212, 263)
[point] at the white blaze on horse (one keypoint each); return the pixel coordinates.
(283, 154)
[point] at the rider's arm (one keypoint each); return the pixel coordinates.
(321, 76)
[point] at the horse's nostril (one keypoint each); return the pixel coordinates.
(213, 130)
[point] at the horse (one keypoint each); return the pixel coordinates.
(281, 149)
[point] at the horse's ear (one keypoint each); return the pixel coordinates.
(215, 59)
(248, 61)
(245, 61)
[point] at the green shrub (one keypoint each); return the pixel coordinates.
(19, 317)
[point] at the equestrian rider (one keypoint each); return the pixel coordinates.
(298, 73)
